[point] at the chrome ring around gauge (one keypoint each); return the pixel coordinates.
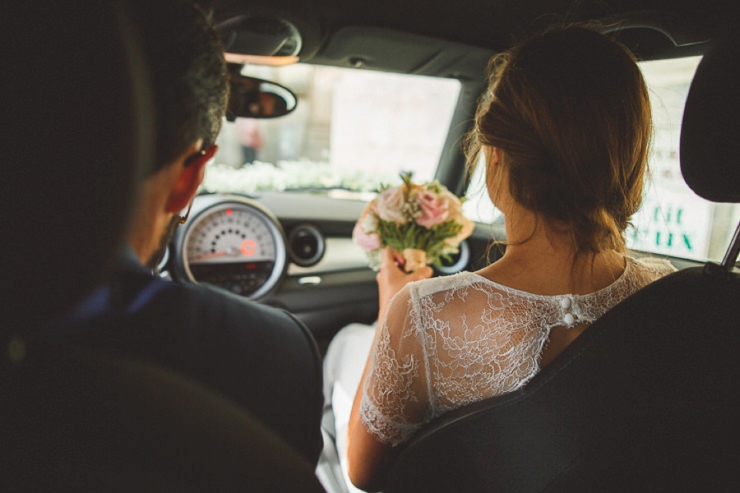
(233, 243)
(460, 260)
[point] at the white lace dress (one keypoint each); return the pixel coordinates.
(463, 338)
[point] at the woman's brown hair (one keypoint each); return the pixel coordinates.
(570, 113)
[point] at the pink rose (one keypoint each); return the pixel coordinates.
(434, 208)
(390, 205)
(367, 241)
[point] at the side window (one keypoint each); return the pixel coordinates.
(478, 206)
(673, 220)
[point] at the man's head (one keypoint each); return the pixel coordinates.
(188, 73)
(191, 92)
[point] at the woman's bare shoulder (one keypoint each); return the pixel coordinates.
(658, 266)
(453, 282)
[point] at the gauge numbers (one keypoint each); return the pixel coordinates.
(230, 235)
(236, 247)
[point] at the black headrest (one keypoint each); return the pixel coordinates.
(75, 92)
(710, 134)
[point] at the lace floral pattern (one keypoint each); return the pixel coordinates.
(397, 374)
(463, 338)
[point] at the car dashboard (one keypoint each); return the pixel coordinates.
(285, 249)
(292, 250)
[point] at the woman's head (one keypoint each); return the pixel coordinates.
(569, 115)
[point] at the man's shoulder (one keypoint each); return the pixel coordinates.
(207, 301)
(262, 357)
(207, 295)
(195, 306)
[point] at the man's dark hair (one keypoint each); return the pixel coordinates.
(189, 74)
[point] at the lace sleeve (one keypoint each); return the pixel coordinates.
(396, 393)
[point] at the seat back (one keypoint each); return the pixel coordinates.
(644, 400)
(78, 133)
(72, 419)
(79, 420)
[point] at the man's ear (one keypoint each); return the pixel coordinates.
(191, 168)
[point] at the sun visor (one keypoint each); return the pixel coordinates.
(395, 51)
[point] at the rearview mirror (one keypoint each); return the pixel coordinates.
(256, 98)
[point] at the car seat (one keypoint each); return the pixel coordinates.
(645, 399)
(73, 419)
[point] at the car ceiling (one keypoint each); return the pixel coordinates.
(490, 25)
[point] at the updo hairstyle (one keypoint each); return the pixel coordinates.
(570, 113)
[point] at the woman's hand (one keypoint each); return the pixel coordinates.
(392, 278)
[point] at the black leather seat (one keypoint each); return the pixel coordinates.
(645, 399)
(76, 420)
(73, 419)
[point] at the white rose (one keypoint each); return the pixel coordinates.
(449, 249)
(390, 205)
(370, 223)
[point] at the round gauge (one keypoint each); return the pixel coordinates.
(235, 245)
(457, 261)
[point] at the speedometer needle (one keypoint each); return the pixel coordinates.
(210, 255)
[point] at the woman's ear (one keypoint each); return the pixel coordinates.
(496, 178)
(191, 170)
(494, 156)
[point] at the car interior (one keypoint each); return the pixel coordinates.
(308, 263)
(329, 101)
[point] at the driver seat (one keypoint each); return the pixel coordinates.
(645, 399)
(73, 419)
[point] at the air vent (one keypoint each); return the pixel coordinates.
(306, 245)
(458, 261)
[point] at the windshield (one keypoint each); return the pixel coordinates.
(352, 130)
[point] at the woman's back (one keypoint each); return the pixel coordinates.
(466, 338)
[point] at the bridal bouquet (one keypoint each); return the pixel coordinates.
(424, 223)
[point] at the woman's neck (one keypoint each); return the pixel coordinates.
(541, 260)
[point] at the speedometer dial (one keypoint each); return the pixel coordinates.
(235, 245)
(230, 235)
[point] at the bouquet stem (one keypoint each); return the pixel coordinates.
(415, 259)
